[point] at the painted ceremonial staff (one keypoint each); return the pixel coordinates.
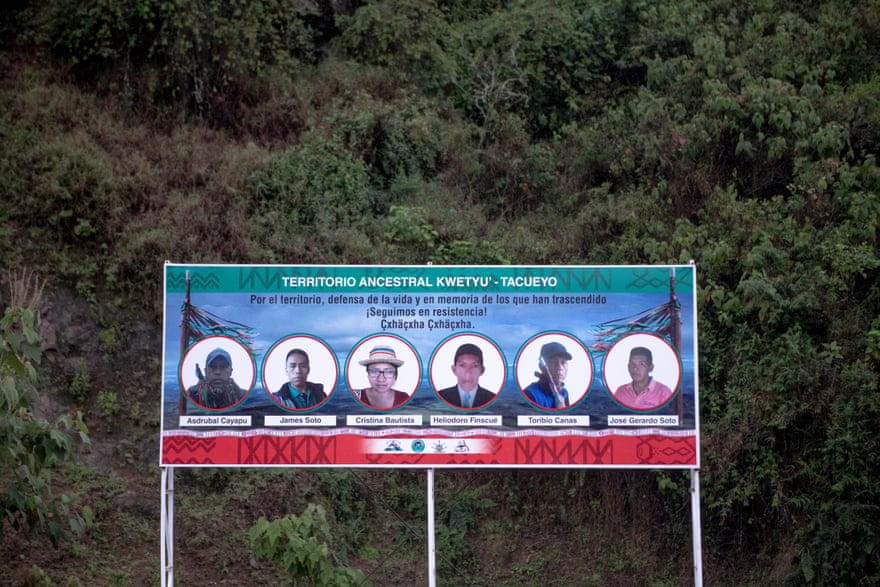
(184, 339)
(675, 336)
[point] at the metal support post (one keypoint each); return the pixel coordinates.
(696, 528)
(432, 548)
(167, 527)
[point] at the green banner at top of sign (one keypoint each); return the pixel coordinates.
(422, 279)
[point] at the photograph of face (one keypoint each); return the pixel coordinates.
(300, 372)
(297, 368)
(217, 372)
(468, 368)
(467, 371)
(383, 371)
(642, 371)
(382, 376)
(554, 370)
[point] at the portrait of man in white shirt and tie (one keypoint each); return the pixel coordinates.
(467, 366)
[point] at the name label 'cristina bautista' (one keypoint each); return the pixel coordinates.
(383, 420)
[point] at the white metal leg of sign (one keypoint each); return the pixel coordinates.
(432, 549)
(167, 527)
(696, 529)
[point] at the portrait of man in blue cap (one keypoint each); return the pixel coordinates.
(549, 390)
(216, 389)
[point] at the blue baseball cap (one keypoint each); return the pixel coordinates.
(218, 353)
(554, 349)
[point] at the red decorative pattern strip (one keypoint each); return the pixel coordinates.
(403, 448)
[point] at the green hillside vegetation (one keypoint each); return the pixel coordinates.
(740, 135)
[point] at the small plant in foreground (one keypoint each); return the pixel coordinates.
(302, 546)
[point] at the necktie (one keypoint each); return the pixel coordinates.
(468, 402)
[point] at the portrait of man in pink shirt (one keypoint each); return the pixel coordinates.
(643, 392)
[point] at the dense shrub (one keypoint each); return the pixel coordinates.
(310, 195)
(32, 446)
(394, 140)
(545, 62)
(403, 35)
(207, 57)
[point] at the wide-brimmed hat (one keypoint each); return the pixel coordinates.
(382, 354)
(216, 354)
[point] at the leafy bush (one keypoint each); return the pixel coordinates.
(775, 429)
(403, 35)
(349, 500)
(456, 517)
(81, 385)
(542, 61)
(311, 189)
(394, 140)
(209, 57)
(32, 447)
(301, 545)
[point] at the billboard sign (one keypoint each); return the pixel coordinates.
(430, 366)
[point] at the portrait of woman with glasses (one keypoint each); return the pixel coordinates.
(382, 365)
